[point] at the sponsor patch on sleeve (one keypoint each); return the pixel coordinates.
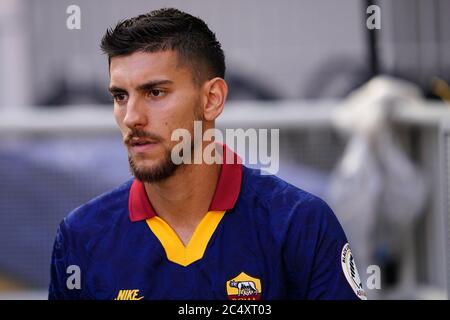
(351, 273)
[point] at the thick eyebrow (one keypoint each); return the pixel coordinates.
(152, 84)
(143, 87)
(114, 89)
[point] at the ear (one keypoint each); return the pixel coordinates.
(216, 91)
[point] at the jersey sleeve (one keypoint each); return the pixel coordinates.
(61, 286)
(318, 257)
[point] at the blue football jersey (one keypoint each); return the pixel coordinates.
(262, 238)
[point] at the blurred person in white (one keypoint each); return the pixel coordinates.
(375, 184)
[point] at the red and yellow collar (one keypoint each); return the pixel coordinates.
(225, 196)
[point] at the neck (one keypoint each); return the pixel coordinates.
(184, 198)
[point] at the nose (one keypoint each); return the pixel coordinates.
(136, 114)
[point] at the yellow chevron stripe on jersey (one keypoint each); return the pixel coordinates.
(174, 247)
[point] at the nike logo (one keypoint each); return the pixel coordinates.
(128, 295)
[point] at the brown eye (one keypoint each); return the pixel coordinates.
(119, 97)
(156, 93)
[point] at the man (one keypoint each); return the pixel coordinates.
(191, 231)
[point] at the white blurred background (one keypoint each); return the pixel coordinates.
(377, 155)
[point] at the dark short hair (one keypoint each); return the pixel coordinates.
(169, 29)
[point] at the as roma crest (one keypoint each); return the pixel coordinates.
(244, 287)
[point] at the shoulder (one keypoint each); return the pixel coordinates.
(287, 209)
(100, 211)
(281, 197)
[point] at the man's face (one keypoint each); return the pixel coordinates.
(154, 94)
